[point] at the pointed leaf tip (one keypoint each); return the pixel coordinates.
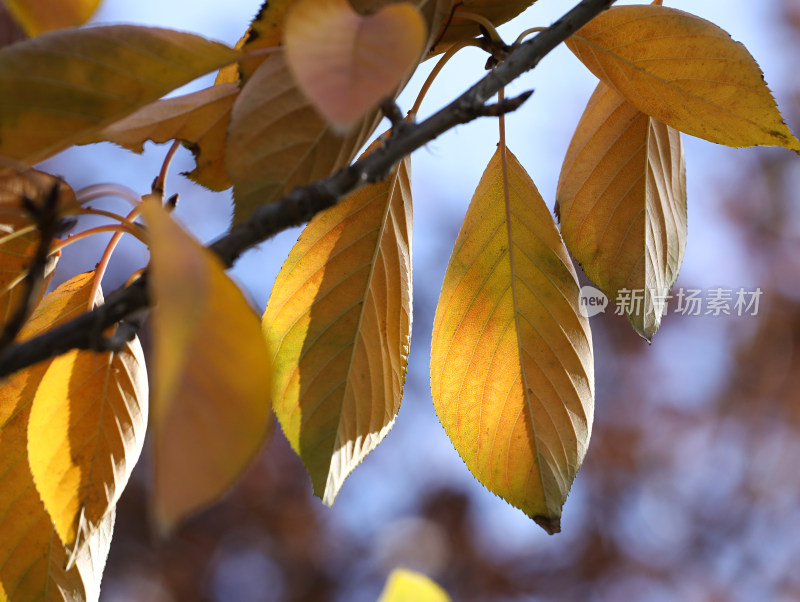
(622, 201)
(511, 357)
(338, 325)
(684, 71)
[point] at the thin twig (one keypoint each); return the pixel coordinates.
(303, 203)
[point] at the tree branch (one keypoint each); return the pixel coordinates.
(305, 202)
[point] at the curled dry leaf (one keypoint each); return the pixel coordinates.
(338, 324)
(511, 357)
(40, 16)
(199, 120)
(211, 405)
(346, 63)
(69, 84)
(409, 586)
(277, 140)
(685, 72)
(622, 205)
(32, 558)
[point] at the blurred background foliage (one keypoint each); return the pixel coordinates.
(690, 490)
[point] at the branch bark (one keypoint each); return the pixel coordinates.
(299, 206)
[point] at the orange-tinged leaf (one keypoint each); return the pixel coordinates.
(409, 586)
(211, 405)
(511, 357)
(68, 84)
(32, 557)
(277, 140)
(199, 119)
(622, 205)
(346, 63)
(85, 434)
(338, 324)
(40, 16)
(685, 72)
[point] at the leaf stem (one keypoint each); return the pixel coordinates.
(97, 191)
(450, 53)
(106, 258)
(526, 33)
(133, 230)
(480, 20)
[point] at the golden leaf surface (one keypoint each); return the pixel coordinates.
(685, 72)
(199, 120)
(511, 357)
(32, 557)
(85, 433)
(622, 205)
(211, 404)
(409, 586)
(338, 323)
(346, 63)
(277, 140)
(19, 237)
(40, 16)
(68, 84)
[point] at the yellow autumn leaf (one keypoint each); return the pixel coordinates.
(338, 323)
(685, 72)
(409, 586)
(40, 16)
(69, 84)
(511, 357)
(277, 140)
(622, 205)
(85, 433)
(199, 120)
(32, 558)
(19, 238)
(346, 63)
(211, 404)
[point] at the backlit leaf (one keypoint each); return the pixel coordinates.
(346, 63)
(85, 434)
(685, 72)
(39, 16)
(338, 324)
(622, 205)
(511, 357)
(32, 557)
(409, 586)
(68, 84)
(19, 237)
(277, 140)
(199, 119)
(211, 404)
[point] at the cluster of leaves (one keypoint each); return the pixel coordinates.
(511, 360)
